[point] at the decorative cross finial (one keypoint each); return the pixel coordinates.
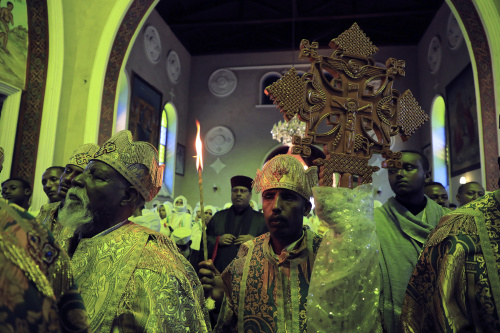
(358, 107)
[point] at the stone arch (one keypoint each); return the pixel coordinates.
(477, 22)
(132, 22)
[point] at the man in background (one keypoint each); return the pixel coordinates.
(231, 227)
(403, 224)
(469, 192)
(77, 162)
(50, 183)
(17, 191)
(436, 191)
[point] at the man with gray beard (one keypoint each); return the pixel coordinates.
(131, 278)
(78, 160)
(76, 214)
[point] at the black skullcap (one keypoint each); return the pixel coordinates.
(242, 181)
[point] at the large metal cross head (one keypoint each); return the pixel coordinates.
(349, 106)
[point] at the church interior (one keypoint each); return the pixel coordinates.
(75, 72)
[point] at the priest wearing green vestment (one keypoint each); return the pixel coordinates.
(132, 279)
(403, 224)
(456, 286)
(266, 285)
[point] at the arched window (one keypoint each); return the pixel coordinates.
(265, 81)
(439, 162)
(122, 105)
(162, 145)
(169, 128)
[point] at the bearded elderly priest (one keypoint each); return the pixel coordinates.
(131, 278)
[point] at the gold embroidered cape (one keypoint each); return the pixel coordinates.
(268, 294)
(37, 292)
(48, 217)
(455, 286)
(134, 279)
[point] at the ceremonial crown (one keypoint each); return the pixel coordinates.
(136, 161)
(285, 171)
(82, 155)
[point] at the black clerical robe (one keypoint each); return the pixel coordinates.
(227, 221)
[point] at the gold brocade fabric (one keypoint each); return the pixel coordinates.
(268, 295)
(37, 293)
(47, 216)
(135, 280)
(454, 287)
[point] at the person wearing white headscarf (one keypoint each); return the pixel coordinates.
(165, 213)
(155, 205)
(180, 216)
(197, 229)
(196, 215)
(147, 219)
(170, 205)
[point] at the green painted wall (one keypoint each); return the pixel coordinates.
(84, 23)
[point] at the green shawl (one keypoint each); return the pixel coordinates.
(402, 236)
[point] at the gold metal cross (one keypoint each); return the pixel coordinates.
(352, 115)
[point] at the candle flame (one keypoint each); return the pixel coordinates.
(199, 148)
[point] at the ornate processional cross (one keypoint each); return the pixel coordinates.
(353, 115)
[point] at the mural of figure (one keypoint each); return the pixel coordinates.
(6, 17)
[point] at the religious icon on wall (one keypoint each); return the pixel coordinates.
(145, 111)
(463, 129)
(13, 42)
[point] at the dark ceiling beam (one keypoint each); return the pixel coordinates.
(301, 19)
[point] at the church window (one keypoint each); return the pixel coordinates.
(439, 160)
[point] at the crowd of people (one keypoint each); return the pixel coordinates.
(95, 259)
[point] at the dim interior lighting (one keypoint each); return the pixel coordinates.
(463, 180)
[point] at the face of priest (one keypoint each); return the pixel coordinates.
(50, 183)
(240, 196)
(470, 192)
(284, 211)
(106, 190)
(411, 178)
(438, 194)
(70, 172)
